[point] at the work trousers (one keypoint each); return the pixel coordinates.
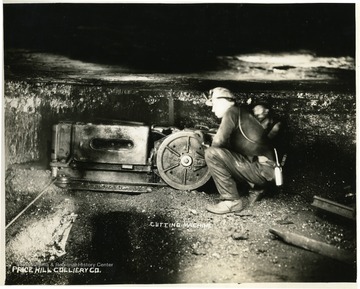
(227, 168)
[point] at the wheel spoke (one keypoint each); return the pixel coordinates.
(199, 167)
(173, 151)
(199, 154)
(185, 175)
(187, 144)
(172, 167)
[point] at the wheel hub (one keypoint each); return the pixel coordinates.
(186, 161)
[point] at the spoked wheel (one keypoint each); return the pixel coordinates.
(180, 161)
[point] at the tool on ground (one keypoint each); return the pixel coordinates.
(314, 246)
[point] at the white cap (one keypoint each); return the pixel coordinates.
(219, 92)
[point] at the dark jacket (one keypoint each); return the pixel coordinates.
(250, 141)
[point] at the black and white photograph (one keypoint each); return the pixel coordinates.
(206, 143)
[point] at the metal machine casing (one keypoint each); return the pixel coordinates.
(120, 155)
(61, 141)
(111, 144)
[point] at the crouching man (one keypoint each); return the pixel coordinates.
(240, 152)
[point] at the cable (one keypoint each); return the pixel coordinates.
(33, 201)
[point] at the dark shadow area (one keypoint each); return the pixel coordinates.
(313, 267)
(339, 272)
(137, 252)
(322, 169)
(178, 37)
(328, 269)
(209, 188)
(348, 224)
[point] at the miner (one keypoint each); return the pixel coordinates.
(263, 114)
(240, 152)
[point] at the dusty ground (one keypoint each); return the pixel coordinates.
(166, 236)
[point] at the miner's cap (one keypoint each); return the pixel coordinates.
(217, 93)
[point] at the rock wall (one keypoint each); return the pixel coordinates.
(313, 114)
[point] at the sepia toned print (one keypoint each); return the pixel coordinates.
(199, 143)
